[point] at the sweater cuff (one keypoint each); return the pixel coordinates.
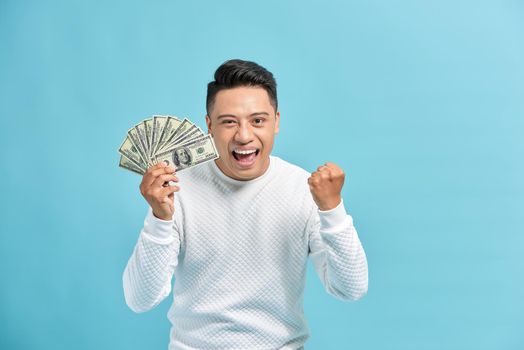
(158, 229)
(331, 220)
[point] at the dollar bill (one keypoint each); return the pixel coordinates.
(135, 140)
(142, 138)
(128, 164)
(180, 142)
(192, 133)
(181, 129)
(159, 122)
(169, 129)
(131, 152)
(189, 154)
(148, 127)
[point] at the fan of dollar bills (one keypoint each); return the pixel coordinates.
(165, 138)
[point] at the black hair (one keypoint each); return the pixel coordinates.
(234, 73)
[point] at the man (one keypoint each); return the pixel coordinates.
(238, 236)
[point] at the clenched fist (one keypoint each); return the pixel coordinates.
(325, 185)
(158, 193)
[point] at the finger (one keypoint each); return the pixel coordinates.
(161, 171)
(323, 170)
(336, 171)
(327, 167)
(319, 176)
(156, 166)
(313, 180)
(146, 179)
(162, 179)
(326, 173)
(149, 178)
(167, 191)
(332, 166)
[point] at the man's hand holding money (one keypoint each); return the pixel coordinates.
(325, 185)
(156, 190)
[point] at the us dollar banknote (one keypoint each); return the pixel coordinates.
(159, 122)
(190, 153)
(126, 163)
(131, 152)
(165, 138)
(170, 127)
(181, 129)
(134, 138)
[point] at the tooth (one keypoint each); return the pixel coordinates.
(245, 151)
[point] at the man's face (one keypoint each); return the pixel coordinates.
(182, 156)
(243, 124)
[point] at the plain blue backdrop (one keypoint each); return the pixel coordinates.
(420, 102)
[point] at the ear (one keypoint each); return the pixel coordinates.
(277, 122)
(208, 123)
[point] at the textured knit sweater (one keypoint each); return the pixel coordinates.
(238, 252)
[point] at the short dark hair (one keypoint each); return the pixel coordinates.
(234, 73)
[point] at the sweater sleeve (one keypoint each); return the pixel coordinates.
(337, 254)
(149, 271)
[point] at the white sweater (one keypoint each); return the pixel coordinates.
(238, 251)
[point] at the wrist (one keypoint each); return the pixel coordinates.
(331, 204)
(162, 216)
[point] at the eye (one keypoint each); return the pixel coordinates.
(258, 121)
(228, 121)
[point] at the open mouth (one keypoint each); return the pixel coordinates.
(245, 158)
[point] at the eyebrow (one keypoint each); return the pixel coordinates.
(251, 115)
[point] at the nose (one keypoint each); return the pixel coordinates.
(244, 133)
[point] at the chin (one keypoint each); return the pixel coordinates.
(247, 175)
(245, 172)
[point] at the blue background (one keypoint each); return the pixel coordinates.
(421, 103)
